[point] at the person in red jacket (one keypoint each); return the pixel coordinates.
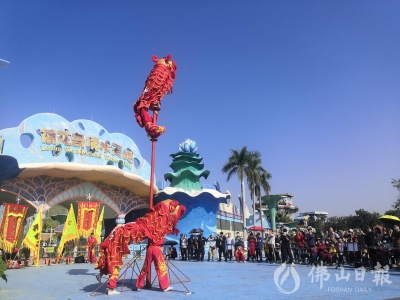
(299, 238)
(239, 254)
(91, 244)
(252, 247)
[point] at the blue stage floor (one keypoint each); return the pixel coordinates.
(208, 280)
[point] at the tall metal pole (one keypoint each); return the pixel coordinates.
(153, 161)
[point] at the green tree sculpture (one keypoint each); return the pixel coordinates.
(187, 168)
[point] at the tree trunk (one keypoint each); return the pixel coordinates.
(261, 213)
(254, 208)
(243, 216)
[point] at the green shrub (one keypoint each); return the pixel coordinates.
(3, 270)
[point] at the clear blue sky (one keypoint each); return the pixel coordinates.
(313, 85)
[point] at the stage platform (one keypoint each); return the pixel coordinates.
(208, 280)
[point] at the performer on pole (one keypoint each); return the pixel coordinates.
(91, 243)
(158, 83)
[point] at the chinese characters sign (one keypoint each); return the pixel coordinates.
(89, 145)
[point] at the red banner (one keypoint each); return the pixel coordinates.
(88, 214)
(11, 225)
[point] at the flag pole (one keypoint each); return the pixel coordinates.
(153, 161)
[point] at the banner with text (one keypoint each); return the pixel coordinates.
(11, 225)
(88, 214)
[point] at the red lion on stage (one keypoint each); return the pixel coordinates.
(159, 83)
(158, 222)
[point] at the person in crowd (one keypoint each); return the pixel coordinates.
(239, 242)
(310, 241)
(238, 236)
(324, 235)
(251, 247)
(396, 244)
(172, 253)
(259, 247)
(333, 254)
(239, 254)
(314, 254)
(378, 236)
(201, 243)
(184, 247)
(370, 242)
(332, 234)
(91, 244)
(271, 246)
(323, 253)
(191, 247)
(386, 240)
(180, 245)
(285, 248)
(229, 247)
(220, 244)
(211, 247)
(340, 247)
(265, 246)
(299, 238)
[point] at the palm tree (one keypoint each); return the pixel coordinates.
(253, 172)
(236, 164)
(282, 217)
(264, 184)
(257, 179)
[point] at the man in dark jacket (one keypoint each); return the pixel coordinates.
(285, 248)
(201, 242)
(310, 242)
(220, 244)
(369, 240)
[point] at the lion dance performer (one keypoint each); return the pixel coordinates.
(158, 222)
(158, 83)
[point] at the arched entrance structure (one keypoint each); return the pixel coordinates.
(48, 160)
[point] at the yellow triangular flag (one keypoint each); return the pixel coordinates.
(99, 226)
(70, 231)
(32, 238)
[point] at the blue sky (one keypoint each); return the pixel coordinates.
(313, 85)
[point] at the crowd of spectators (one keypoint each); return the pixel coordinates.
(369, 247)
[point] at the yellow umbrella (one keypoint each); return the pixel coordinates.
(393, 220)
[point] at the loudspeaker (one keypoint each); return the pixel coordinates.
(79, 259)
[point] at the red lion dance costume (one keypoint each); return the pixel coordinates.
(158, 83)
(158, 222)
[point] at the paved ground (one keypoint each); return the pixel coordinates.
(208, 280)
